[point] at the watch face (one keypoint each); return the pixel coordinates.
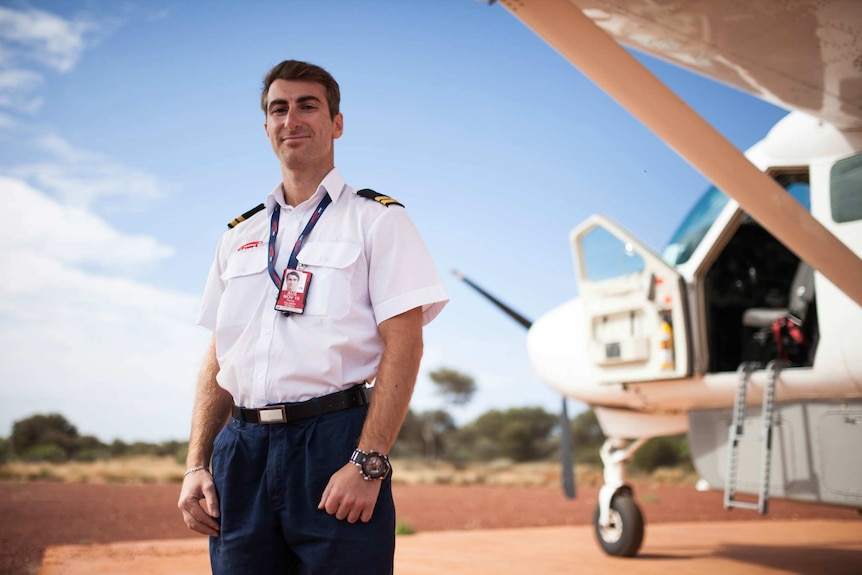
(375, 466)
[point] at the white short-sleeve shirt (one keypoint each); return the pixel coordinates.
(368, 264)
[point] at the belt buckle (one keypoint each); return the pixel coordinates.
(274, 414)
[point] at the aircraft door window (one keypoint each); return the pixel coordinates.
(846, 190)
(606, 256)
(633, 304)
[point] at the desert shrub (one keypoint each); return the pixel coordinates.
(587, 438)
(181, 453)
(662, 452)
(118, 447)
(5, 450)
(404, 529)
(45, 452)
(38, 430)
(519, 434)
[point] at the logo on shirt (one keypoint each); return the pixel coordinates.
(250, 246)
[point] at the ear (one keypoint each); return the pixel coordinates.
(337, 126)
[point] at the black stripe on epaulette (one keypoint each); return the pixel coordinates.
(245, 216)
(372, 195)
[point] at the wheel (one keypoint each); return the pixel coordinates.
(624, 535)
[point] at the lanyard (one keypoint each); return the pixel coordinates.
(273, 233)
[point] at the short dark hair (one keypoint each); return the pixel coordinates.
(294, 274)
(296, 70)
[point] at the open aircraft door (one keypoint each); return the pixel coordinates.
(634, 306)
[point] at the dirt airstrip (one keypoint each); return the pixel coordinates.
(36, 515)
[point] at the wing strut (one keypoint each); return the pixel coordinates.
(562, 25)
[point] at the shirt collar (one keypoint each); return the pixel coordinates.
(333, 184)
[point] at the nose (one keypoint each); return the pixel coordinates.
(291, 119)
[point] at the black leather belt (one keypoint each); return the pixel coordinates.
(286, 412)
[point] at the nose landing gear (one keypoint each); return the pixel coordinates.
(618, 521)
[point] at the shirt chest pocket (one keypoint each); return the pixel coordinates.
(246, 280)
(332, 265)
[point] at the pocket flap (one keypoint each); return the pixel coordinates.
(244, 263)
(329, 254)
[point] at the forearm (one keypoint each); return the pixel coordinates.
(211, 411)
(396, 377)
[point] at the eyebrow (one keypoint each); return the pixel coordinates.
(299, 100)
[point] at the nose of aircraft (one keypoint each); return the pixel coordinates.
(559, 351)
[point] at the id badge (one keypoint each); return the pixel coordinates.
(294, 291)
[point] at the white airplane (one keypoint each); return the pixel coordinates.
(749, 324)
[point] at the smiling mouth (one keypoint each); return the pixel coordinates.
(294, 138)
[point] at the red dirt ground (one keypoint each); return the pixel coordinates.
(38, 515)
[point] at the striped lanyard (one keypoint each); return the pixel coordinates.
(273, 234)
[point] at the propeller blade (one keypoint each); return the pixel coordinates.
(566, 446)
(567, 453)
(506, 309)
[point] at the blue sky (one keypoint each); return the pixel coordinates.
(130, 134)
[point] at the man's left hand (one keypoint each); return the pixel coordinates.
(348, 495)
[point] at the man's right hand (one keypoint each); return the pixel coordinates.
(199, 503)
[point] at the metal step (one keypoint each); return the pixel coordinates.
(736, 436)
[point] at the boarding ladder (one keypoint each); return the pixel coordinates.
(736, 436)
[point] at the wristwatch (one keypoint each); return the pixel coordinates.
(372, 465)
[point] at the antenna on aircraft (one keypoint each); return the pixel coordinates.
(566, 443)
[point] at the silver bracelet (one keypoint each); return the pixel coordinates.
(198, 468)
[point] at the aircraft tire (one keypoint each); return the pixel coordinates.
(625, 534)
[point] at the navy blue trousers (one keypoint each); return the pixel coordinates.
(270, 479)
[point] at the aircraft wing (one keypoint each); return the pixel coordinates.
(801, 55)
(819, 72)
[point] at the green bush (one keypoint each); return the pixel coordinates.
(663, 452)
(587, 438)
(181, 453)
(38, 430)
(45, 452)
(404, 529)
(5, 450)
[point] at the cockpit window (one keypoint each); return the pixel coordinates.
(694, 227)
(700, 219)
(846, 190)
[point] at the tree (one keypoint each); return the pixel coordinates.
(658, 452)
(587, 437)
(44, 430)
(413, 436)
(435, 425)
(520, 434)
(5, 450)
(458, 388)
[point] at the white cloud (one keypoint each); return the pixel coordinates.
(78, 335)
(79, 177)
(19, 79)
(43, 37)
(70, 234)
(116, 356)
(31, 42)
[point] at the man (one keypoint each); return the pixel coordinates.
(292, 281)
(300, 480)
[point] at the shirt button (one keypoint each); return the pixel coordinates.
(266, 332)
(259, 376)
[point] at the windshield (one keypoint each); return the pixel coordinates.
(703, 214)
(694, 227)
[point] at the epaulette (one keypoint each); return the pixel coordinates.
(245, 216)
(372, 195)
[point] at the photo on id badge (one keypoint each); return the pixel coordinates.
(294, 291)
